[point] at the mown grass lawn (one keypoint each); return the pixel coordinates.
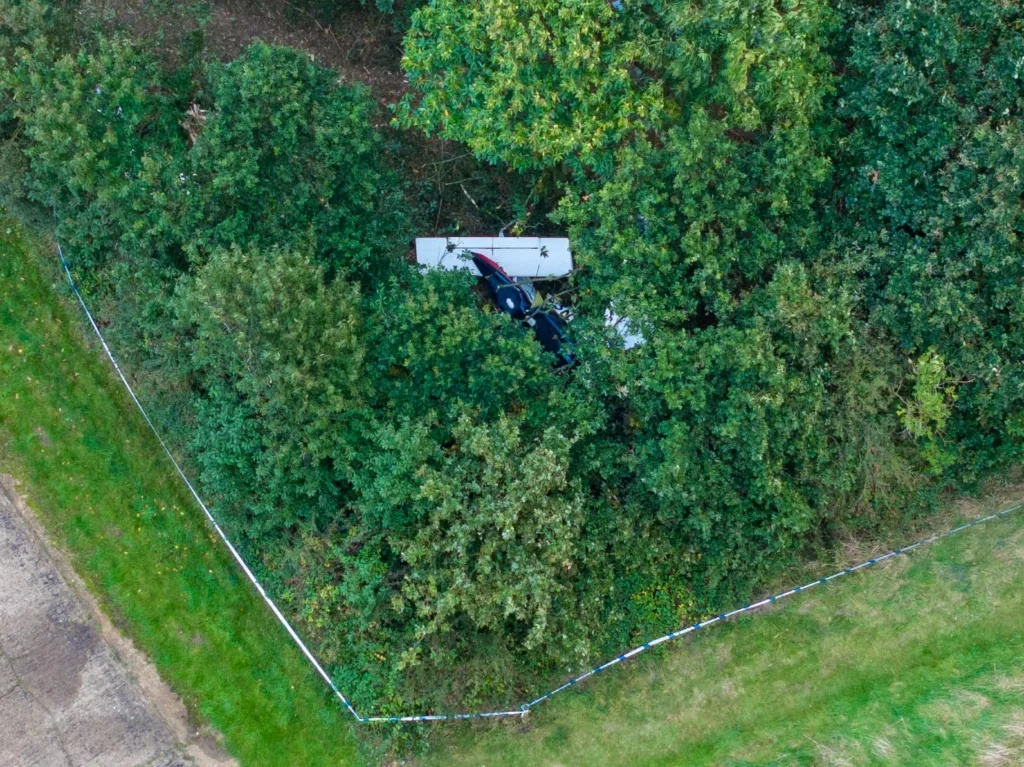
(917, 662)
(105, 492)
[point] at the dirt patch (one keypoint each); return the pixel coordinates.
(360, 44)
(200, 743)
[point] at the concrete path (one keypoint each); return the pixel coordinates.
(66, 700)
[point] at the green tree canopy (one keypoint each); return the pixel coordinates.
(533, 83)
(278, 356)
(103, 144)
(488, 533)
(288, 152)
(932, 207)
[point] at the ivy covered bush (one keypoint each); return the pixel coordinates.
(811, 211)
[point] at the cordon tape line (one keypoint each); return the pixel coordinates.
(525, 708)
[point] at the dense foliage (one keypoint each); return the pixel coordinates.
(531, 83)
(285, 139)
(104, 146)
(932, 219)
(812, 212)
(705, 234)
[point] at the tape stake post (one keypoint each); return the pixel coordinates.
(525, 708)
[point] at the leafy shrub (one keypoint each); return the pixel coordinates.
(932, 203)
(532, 83)
(278, 358)
(24, 22)
(693, 219)
(287, 152)
(103, 146)
(483, 526)
(702, 236)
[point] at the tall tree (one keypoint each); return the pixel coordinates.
(534, 83)
(931, 216)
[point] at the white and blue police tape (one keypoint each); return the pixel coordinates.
(524, 708)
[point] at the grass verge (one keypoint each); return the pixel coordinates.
(919, 661)
(105, 492)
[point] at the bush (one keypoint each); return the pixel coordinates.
(25, 22)
(535, 83)
(277, 359)
(932, 206)
(703, 236)
(285, 153)
(103, 145)
(476, 529)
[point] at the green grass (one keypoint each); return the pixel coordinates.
(917, 662)
(107, 494)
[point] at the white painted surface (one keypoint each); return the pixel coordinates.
(631, 335)
(518, 256)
